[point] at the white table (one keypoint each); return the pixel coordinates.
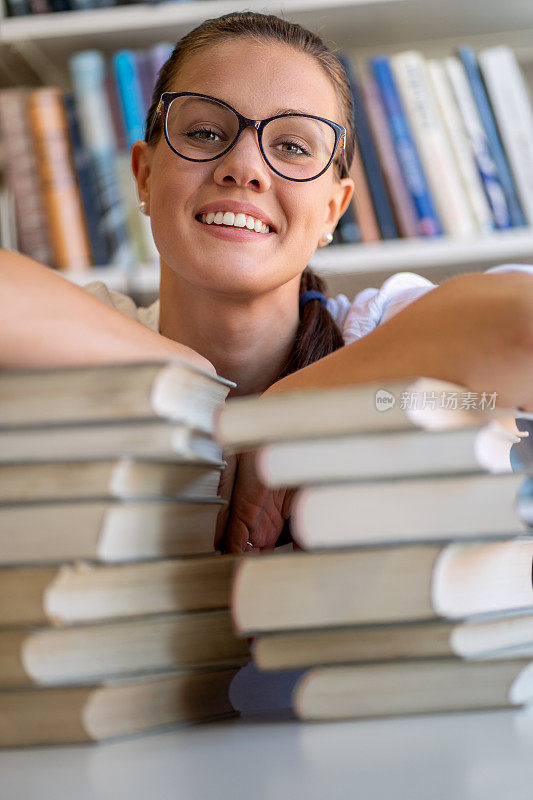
(481, 756)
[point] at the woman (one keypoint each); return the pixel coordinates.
(237, 208)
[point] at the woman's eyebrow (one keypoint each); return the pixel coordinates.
(289, 111)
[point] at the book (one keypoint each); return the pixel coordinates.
(410, 71)
(246, 422)
(155, 439)
(298, 591)
(361, 202)
(477, 137)
(115, 708)
(64, 211)
(87, 69)
(461, 147)
(510, 101)
(91, 653)
(510, 637)
(469, 61)
(87, 185)
(85, 592)
(410, 510)
(22, 176)
(367, 456)
(106, 531)
(377, 690)
(123, 478)
(401, 201)
(369, 157)
(428, 221)
(174, 390)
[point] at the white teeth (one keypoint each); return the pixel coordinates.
(238, 220)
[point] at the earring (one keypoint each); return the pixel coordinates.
(143, 207)
(327, 239)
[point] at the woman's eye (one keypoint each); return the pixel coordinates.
(198, 134)
(294, 148)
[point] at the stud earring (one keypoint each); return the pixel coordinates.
(143, 207)
(327, 239)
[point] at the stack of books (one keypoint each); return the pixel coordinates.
(113, 600)
(413, 592)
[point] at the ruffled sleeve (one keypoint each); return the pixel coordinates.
(371, 307)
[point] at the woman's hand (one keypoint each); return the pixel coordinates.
(256, 515)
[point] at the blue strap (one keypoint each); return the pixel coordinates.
(311, 294)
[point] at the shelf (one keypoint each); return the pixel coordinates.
(424, 255)
(351, 24)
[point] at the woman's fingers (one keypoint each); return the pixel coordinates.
(255, 518)
(225, 490)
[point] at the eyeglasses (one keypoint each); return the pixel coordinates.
(299, 147)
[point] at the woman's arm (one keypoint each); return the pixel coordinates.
(475, 330)
(47, 321)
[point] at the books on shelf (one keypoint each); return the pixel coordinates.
(441, 146)
(416, 561)
(110, 581)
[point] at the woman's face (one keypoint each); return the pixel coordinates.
(257, 79)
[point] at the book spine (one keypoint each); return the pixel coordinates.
(18, 8)
(88, 75)
(22, 176)
(130, 94)
(369, 156)
(461, 149)
(49, 127)
(40, 6)
(362, 200)
(411, 76)
(158, 54)
(428, 221)
(468, 59)
(478, 141)
(509, 97)
(401, 200)
(87, 185)
(60, 5)
(144, 71)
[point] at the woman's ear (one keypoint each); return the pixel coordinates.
(141, 165)
(341, 196)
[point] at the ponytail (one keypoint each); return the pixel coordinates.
(318, 335)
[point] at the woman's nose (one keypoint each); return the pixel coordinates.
(244, 163)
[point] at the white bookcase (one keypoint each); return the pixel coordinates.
(36, 48)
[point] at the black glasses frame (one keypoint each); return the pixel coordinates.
(259, 124)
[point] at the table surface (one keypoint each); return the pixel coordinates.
(484, 755)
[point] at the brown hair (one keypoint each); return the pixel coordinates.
(317, 333)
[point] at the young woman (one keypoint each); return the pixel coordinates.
(244, 173)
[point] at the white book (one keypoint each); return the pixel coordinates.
(478, 140)
(461, 148)
(385, 455)
(511, 105)
(415, 90)
(408, 510)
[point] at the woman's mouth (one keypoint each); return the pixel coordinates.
(239, 222)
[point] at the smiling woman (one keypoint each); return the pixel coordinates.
(244, 173)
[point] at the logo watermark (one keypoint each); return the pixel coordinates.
(448, 401)
(384, 400)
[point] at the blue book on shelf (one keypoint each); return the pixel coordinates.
(88, 70)
(369, 156)
(468, 58)
(130, 93)
(87, 185)
(347, 230)
(428, 220)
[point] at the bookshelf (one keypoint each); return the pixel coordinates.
(36, 49)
